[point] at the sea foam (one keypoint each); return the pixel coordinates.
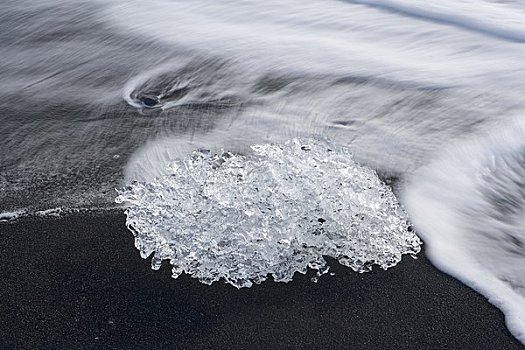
(469, 208)
(276, 211)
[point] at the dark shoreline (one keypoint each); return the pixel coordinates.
(79, 283)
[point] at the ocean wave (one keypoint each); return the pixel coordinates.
(319, 37)
(490, 18)
(469, 208)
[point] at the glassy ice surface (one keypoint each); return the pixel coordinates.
(274, 212)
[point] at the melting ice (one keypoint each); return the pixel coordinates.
(275, 211)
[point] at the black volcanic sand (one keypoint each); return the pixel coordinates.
(79, 283)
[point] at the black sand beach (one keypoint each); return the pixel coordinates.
(79, 283)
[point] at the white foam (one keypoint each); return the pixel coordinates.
(10, 216)
(497, 19)
(450, 43)
(52, 212)
(7, 216)
(469, 208)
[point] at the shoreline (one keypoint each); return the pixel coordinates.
(78, 282)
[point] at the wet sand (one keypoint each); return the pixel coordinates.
(79, 283)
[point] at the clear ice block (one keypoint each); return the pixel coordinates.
(275, 211)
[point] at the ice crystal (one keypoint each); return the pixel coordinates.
(275, 211)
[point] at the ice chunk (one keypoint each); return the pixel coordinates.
(274, 212)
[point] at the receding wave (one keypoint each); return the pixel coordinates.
(276, 212)
(469, 207)
(497, 25)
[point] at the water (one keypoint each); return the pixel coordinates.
(469, 205)
(97, 94)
